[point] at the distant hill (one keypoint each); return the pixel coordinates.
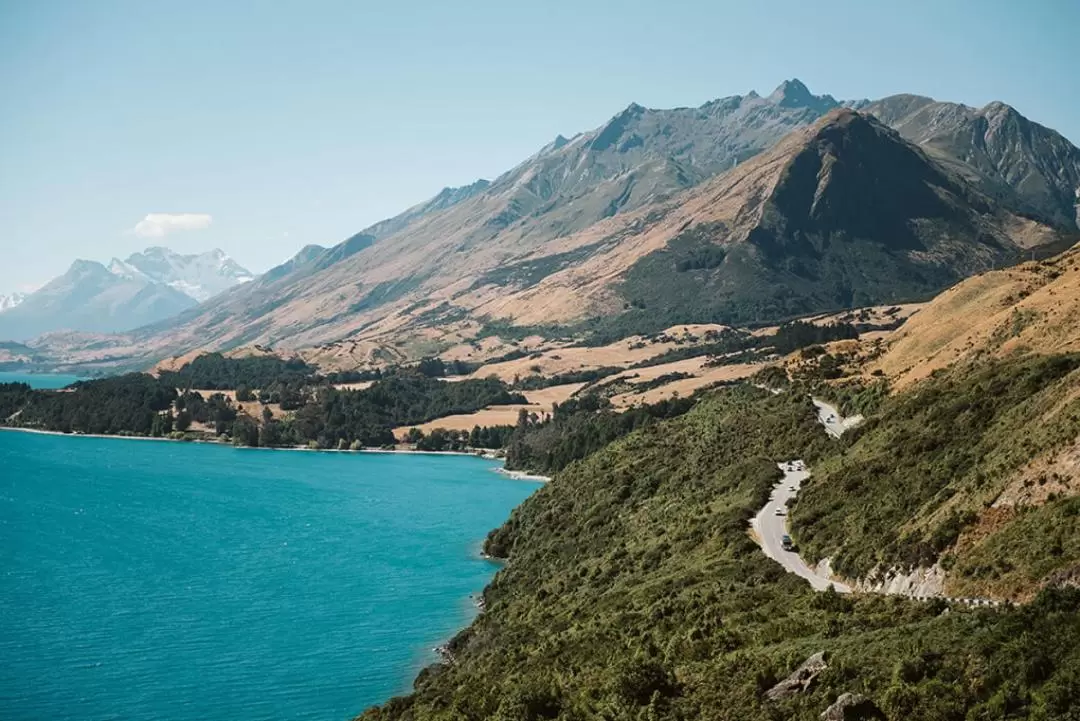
(145, 288)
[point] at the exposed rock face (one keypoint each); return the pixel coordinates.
(852, 707)
(1029, 168)
(1066, 577)
(800, 679)
(918, 583)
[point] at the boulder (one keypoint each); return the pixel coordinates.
(800, 679)
(852, 707)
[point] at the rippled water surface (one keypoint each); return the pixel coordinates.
(156, 580)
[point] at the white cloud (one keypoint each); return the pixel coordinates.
(158, 225)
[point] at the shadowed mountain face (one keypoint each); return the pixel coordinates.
(846, 213)
(725, 211)
(1025, 166)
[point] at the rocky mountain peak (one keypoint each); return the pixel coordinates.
(794, 94)
(82, 268)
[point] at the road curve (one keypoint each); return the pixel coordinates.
(835, 424)
(770, 528)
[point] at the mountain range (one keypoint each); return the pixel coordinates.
(747, 209)
(147, 287)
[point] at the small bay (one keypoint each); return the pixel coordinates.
(163, 580)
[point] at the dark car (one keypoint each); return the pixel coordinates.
(787, 543)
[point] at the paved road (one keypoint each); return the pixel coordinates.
(770, 528)
(835, 424)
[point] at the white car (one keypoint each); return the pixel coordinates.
(779, 512)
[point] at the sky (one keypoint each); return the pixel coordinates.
(260, 127)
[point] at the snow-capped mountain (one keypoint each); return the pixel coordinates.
(7, 302)
(198, 276)
(146, 288)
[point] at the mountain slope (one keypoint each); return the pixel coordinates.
(646, 210)
(844, 213)
(633, 591)
(967, 471)
(637, 158)
(1030, 308)
(1030, 168)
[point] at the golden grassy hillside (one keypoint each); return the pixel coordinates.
(1033, 307)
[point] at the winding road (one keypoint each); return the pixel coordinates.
(770, 528)
(770, 523)
(835, 424)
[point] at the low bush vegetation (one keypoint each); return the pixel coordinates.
(633, 591)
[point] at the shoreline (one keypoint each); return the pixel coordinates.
(484, 455)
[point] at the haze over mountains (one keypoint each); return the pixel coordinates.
(147, 287)
(746, 209)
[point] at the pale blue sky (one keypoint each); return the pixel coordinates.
(302, 122)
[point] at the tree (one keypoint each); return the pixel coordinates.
(245, 432)
(183, 420)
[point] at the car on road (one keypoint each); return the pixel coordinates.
(793, 489)
(778, 512)
(786, 543)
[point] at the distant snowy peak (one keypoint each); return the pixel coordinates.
(199, 276)
(126, 270)
(7, 302)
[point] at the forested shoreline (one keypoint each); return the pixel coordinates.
(320, 416)
(273, 402)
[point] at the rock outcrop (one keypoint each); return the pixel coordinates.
(852, 707)
(800, 679)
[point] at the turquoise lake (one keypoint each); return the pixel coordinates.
(39, 380)
(158, 580)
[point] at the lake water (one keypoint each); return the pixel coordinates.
(157, 580)
(39, 380)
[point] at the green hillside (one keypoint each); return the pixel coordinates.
(633, 591)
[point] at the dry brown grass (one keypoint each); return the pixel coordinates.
(564, 360)
(539, 402)
(252, 408)
(1034, 307)
(703, 377)
(1056, 473)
